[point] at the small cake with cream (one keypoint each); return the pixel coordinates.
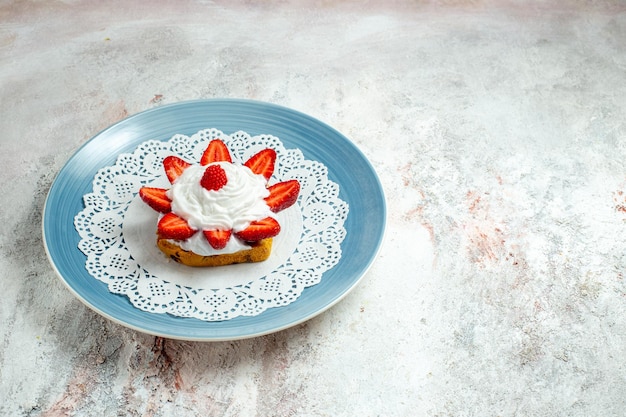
(218, 212)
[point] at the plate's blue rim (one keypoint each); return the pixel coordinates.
(287, 324)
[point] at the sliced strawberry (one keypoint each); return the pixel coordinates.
(174, 166)
(217, 238)
(283, 195)
(156, 198)
(172, 226)
(215, 152)
(261, 229)
(214, 178)
(262, 162)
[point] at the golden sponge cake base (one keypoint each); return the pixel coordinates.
(258, 252)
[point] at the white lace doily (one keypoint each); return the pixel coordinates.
(118, 234)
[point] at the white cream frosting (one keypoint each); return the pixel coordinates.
(234, 206)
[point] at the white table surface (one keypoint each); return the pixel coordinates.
(497, 130)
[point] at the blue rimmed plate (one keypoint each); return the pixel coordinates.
(347, 166)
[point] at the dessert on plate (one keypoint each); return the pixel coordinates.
(218, 212)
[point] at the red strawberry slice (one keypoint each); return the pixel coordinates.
(156, 198)
(262, 162)
(261, 229)
(214, 178)
(174, 166)
(172, 226)
(217, 238)
(282, 195)
(215, 152)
